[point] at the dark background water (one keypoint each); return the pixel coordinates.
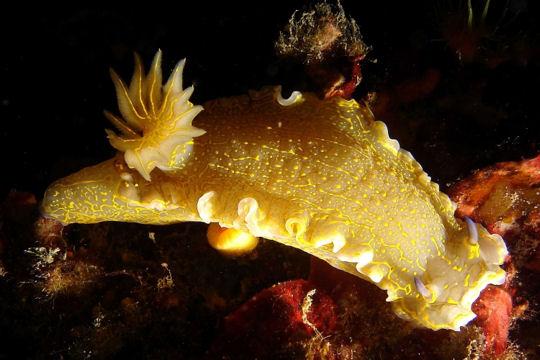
(54, 80)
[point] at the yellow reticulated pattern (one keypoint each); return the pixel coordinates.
(319, 175)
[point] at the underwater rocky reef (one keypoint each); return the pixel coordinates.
(453, 81)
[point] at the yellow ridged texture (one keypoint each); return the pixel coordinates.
(319, 175)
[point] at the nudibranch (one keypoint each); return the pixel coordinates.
(320, 175)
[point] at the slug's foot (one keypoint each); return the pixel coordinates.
(231, 242)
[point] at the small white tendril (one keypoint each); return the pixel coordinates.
(295, 97)
(473, 231)
(422, 289)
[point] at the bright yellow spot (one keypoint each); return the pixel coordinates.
(474, 251)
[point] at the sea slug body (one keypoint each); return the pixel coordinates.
(320, 175)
